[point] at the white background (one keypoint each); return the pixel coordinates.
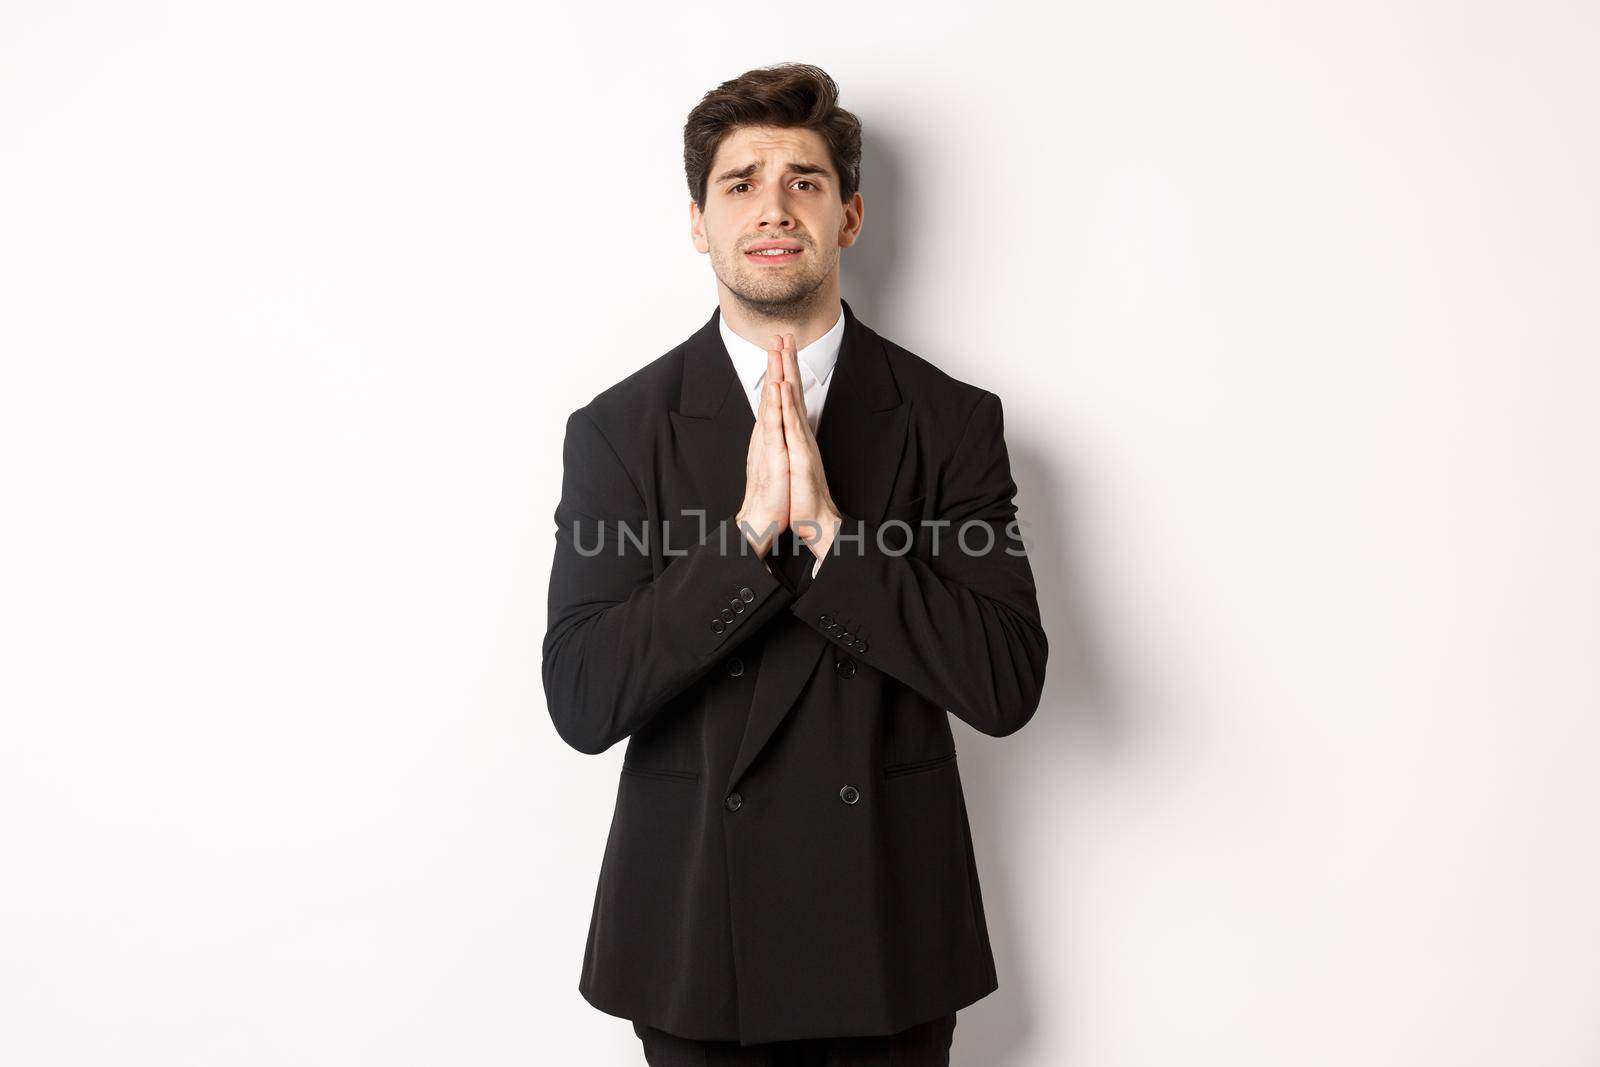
(1292, 308)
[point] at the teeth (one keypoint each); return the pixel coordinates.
(774, 252)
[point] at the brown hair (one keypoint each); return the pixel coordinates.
(785, 95)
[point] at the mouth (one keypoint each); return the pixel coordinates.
(773, 252)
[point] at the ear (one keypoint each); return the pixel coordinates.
(851, 227)
(697, 228)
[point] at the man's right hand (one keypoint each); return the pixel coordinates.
(765, 511)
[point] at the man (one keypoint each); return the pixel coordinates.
(786, 553)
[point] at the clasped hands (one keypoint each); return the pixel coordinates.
(784, 484)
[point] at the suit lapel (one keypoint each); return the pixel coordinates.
(711, 428)
(862, 432)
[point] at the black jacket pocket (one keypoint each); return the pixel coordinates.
(662, 773)
(892, 770)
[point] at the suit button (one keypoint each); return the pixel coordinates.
(860, 646)
(849, 795)
(717, 626)
(826, 621)
(737, 605)
(727, 614)
(733, 801)
(846, 668)
(747, 594)
(736, 666)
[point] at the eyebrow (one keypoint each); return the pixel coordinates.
(749, 169)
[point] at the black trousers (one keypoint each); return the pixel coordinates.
(924, 1045)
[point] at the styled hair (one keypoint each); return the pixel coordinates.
(785, 95)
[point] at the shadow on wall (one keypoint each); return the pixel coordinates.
(867, 269)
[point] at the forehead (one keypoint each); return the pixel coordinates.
(771, 146)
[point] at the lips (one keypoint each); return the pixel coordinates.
(773, 252)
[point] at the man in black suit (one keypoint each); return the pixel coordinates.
(786, 553)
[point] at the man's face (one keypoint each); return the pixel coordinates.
(774, 187)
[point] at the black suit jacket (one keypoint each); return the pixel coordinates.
(789, 855)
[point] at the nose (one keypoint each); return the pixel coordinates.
(775, 212)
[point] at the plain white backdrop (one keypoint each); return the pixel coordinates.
(1292, 307)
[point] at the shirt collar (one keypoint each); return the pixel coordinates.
(816, 359)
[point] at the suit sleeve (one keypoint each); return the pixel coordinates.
(623, 638)
(961, 627)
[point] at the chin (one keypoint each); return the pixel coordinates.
(763, 291)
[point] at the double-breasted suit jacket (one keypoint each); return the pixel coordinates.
(789, 855)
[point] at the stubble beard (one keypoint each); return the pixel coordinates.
(776, 299)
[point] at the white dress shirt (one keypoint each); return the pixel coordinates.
(816, 371)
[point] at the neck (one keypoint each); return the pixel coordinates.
(808, 318)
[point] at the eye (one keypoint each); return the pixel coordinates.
(804, 181)
(736, 187)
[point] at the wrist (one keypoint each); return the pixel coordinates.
(759, 534)
(827, 528)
